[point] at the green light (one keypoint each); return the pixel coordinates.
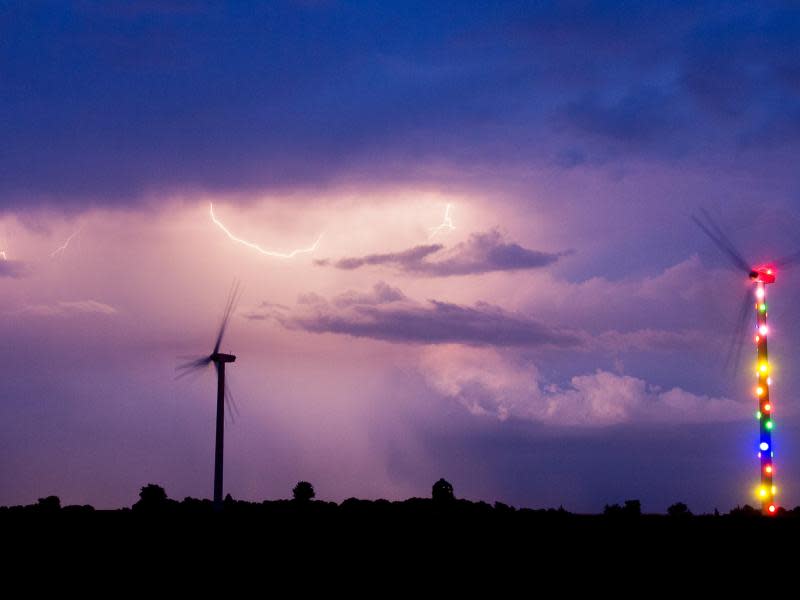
(768, 424)
(758, 415)
(762, 307)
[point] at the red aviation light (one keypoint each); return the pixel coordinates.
(772, 509)
(763, 275)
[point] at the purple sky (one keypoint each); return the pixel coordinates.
(561, 340)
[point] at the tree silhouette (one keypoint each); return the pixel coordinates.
(442, 491)
(303, 491)
(632, 508)
(151, 497)
(679, 509)
(49, 504)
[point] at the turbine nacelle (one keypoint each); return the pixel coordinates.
(219, 357)
(763, 275)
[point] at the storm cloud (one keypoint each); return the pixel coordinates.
(482, 253)
(386, 314)
(105, 104)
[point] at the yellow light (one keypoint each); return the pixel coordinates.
(762, 491)
(763, 368)
(774, 490)
(760, 391)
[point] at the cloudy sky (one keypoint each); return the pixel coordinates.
(462, 232)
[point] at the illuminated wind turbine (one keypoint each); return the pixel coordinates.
(760, 276)
(219, 360)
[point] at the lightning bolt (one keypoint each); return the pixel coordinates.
(256, 247)
(447, 223)
(63, 246)
(3, 255)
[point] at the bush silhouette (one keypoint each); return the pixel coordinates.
(442, 491)
(303, 491)
(632, 508)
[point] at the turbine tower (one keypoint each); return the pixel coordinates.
(760, 277)
(219, 359)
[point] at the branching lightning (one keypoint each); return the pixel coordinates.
(258, 248)
(447, 223)
(63, 246)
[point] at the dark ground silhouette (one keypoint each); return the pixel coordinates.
(442, 537)
(153, 500)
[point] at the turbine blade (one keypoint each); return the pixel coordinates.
(192, 366)
(230, 404)
(787, 261)
(715, 233)
(734, 355)
(230, 305)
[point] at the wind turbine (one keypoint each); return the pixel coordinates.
(219, 359)
(760, 277)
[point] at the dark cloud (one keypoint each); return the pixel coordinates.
(482, 253)
(103, 103)
(13, 268)
(381, 293)
(386, 314)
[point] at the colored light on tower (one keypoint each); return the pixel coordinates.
(771, 508)
(767, 407)
(764, 446)
(763, 330)
(763, 367)
(768, 425)
(762, 307)
(768, 469)
(759, 391)
(760, 293)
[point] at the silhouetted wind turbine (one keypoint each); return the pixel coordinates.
(219, 359)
